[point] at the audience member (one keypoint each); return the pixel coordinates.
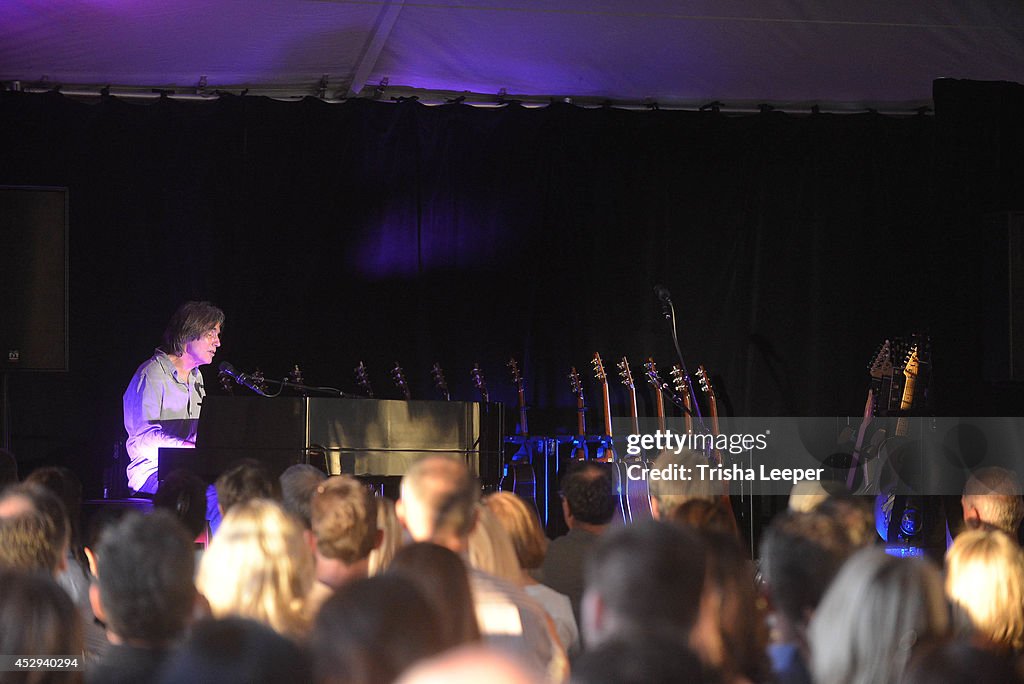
(588, 504)
(992, 499)
(371, 630)
(344, 520)
(806, 496)
(258, 566)
(872, 614)
(520, 520)
(437, 504)
(854, 516)
(37, 618)
(246, 480)
(236, 651)
(650, 660)
(298, 484)
(706, 516)
(27, 544)
(48, 518)
(801, 553)
(491, 549)
(643, 580)
(144, 593)
(391, 536)
(471, 665)
(443, 579)
(958, 661)
(985, 583)
(667, 493)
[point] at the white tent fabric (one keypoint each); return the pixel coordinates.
(790, 53)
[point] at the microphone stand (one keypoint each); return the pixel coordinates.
(333, 391)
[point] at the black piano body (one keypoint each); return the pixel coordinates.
(368, 438)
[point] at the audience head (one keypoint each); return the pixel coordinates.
(854, 516)
(391, 536)
(183, 494)
(662, 599)
(190, 322)
(8, 468)
(50, 520)
(470, 665)
(258, 566)
(298, 484)
(344, 518)
(371, 630)
(627, 661)
(38, 618)
(957, 661)
(441, 576)
(705, 516)
(992, 498)
(236, 651)
(520, 521)
(491, 549)
(985, 583)
(871, 616)
(801, 553)
(144, 590)
(249, 479)
(587, 496)
(438, 499)
(666, 494)
(27, 543)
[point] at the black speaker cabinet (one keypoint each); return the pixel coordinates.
(33, 279)
(1004, 319)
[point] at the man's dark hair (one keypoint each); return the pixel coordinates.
(190, 322)
(800, 555)
(236, 650)
(37, 617)
(587, 489)
(649, 660)
(248, 479)
(344, 519)
(298, 484)
(146, 564)
(650, 576)
(183, 493)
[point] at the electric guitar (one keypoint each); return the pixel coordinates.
(580, 441)
(439, 382)
(398, 375)
(363, 380)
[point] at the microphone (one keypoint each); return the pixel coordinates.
(241, 378)
(666, 301)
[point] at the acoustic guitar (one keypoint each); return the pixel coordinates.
(637, 493)
(398, 376)
(606, 452)
(519, 475)
(363, 380)
(580, 440)
(439, 382)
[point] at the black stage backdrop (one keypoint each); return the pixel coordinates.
(374, 231)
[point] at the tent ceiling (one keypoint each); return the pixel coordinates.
(790, 53)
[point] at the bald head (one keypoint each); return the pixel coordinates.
(438, 496)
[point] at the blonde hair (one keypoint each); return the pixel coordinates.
(387, 522)
(873, 613)
(522, 525)
(490, 548)
(985, 582)
(258, 566)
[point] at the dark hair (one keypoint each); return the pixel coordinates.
(183, 493)
(650, 575)
(587, 489)
(146, 564)
(298, 483)
(38, 618)
(629, 660)
(236, 650)
(705, 516)
(442, 577)
(372, 630)
(248, 479)
(800, 555)
(344, 517)
(190, 322)
(946, 660)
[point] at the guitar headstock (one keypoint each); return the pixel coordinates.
(625, 373)
(259, 381)
(479, 383)
(704, 380)
(652, 373)
(439, 382)
(599, 368)
(517, 379)
(881, 365)
(911, 366)
(679, 382)
(574, 382)
(363, 379)
(398, 375)
(295, 375)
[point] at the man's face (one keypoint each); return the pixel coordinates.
(200, 351)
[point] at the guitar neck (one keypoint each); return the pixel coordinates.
(634, 416)
(906, 403)
(523, 429)
(607, 406)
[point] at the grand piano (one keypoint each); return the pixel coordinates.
(369, 438)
